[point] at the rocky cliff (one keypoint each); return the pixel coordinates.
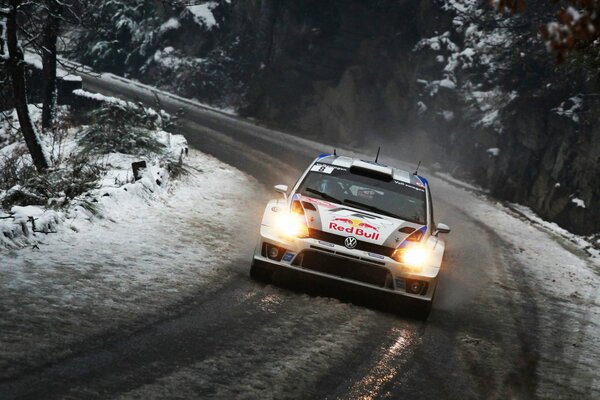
(451, 83)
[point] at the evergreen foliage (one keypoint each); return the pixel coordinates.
(25, 186)
(122, 128)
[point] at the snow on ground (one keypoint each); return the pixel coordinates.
(582, 243)
(564, 286)
(148, 252)
(458, 182)
(579, 241)
(122, 82)
(35, 60)
(18, 228)
(99, 97)
(121, 251)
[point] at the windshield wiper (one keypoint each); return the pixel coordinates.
(325, 196)
(372, 208)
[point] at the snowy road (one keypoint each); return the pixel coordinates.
(517, 313)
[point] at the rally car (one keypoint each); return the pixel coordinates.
(356, 222)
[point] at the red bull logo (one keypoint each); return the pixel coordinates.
(355, 227)
(368, 226)
(321, 203)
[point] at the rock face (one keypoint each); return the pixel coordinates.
(450, 82)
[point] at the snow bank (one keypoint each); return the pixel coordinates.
(583, 243)
(35, 60)
(99, 97)
(23, 226)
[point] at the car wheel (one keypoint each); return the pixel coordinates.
(423, 310)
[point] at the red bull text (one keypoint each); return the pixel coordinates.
(357, 229)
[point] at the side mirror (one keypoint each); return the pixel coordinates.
(442, 228)
(283, 189)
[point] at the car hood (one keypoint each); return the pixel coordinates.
(365, 226)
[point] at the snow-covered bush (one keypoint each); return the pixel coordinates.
(24, 186)
(122, 128)
(92, 156)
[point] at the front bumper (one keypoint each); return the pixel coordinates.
(317, 258)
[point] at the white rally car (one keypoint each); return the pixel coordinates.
(357, 222)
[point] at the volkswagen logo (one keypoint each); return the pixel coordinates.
(350, 242)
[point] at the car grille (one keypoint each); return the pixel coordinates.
(345, 268)
(339, 240)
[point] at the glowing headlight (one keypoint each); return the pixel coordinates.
(414, 256)
(292, 225)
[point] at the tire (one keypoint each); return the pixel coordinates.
(260, 274)
(422, 311)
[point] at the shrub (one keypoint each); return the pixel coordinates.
(76, 176)
(120, 128)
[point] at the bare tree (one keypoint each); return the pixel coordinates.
(16, 69)
(49, 40)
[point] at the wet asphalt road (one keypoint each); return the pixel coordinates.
(256, 341)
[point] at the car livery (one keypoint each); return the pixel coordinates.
(357, 222)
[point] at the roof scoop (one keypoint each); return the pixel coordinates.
(370, 169)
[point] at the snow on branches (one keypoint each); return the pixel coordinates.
(577, 24)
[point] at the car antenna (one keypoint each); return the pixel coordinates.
(377, 156)
(417, 170)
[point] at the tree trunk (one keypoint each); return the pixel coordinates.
(49, 39)
(16, 69)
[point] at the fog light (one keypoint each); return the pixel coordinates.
(273, 252)
(415, 287)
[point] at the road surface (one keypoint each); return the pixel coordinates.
(494, 331)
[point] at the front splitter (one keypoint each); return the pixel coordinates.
(305, 281)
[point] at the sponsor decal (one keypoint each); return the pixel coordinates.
(365, 193)
(287, 257)
(326, 243)
(376, 256)
(406, 241)
(322, 168)
(326, 168)
(416, 187)
(365, 230)
(400, 284)
(318, 202)
(359, 223)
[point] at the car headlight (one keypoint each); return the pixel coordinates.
(412, 256)
(292, 225)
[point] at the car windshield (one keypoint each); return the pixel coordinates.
(392, 198)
